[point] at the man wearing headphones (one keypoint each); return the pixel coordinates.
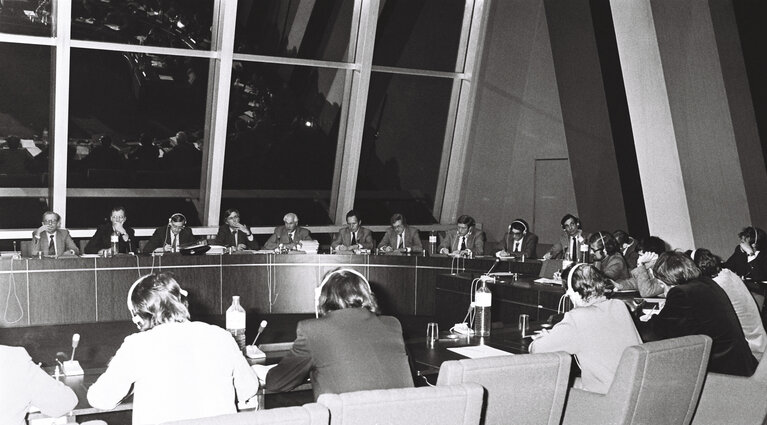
(607, 256)
(519, 241)
(571, 239)
(170, 238)
(289, 236)
(465, 240)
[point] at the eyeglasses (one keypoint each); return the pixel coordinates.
(234, 217)
(50, 221)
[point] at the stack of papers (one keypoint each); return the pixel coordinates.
(310, 247)
(479, 351)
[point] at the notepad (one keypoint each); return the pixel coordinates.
(479, 351)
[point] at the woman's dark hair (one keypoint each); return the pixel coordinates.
(605, 240)
(157, 299)
(587, 281)
(754, 236)
(652, 244)
(675, 268)
(708, 263)
(345, 289)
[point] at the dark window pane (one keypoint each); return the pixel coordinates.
(402, 147)
(420, 34)
(24, 113)
(130, 99)
(264, 211)
(183, 24)
(308, 29)
(139, 212)
(26, 17)
(283, 132)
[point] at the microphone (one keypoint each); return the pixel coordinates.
(75, 343)
(253, 352)
(261, 328)
(72, 367)
(486, 276)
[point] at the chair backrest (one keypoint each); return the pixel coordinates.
(444, 405)
(308, 414)
(522, 389)
(660, 382)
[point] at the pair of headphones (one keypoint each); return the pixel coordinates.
(604, 247)
(524, 225)
(318, 290)
(183, 218)
(135, 318)
(570, 291)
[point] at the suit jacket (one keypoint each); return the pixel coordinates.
(560, 249)
(344, 237)
(475, 241)
(225, 237)
(102, 240)
(529, 245)
(281, 235)
(755, 269)
(23, 383)
(702, 307)
(614, 267)
(64, 243)
(346, 350)
(631, 255)
(162, 236)
(412, 239)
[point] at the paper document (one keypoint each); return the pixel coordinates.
(479, 351)
(547, 280)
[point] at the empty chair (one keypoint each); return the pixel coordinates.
(524, 389)
(442, 405)
(729, 399)
(656, 383)
(308, 414)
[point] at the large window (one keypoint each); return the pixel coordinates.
(134, 103)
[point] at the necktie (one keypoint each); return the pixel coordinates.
(400, 242)
(462, 246)
(517, 246)
(290, 237)
(573, 248)
(175, 242)
(52, 246)
(354, 238)
(234, 236)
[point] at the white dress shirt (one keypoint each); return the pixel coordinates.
(180, 370)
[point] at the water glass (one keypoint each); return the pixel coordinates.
(524, 323)
(432, 334)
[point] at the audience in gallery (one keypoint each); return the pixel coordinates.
(595, 331)
(571, 239)
(695, 304)
(348, 348)
(50, 240)
(104, 156)
(353, 238)
(102, 239)
(739, 295)
(165, 389)
(235, 234)
(466, 240)
(288, 236)
(146, 155)
(14, 159)
(24, 384)
(519, 240)
(400, 238)
(607, 257)
(628, 247)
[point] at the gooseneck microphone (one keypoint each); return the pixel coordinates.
(261, 328)
(497, 260)
(75, 343)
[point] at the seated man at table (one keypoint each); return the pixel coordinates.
(523, 242)
(748, 261)
(235, 234)
(50, 240)
(466, 240)
(353, 237)
(607, 257)
(102, 239)
(171, 237)
(24, 384)
(348, 348)
(288, 236)
(572, 238)
(400, 238)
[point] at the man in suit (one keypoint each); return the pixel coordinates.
(50, 240)
(289, 236)
(519, 241)
(235, 234)
(170, 238)
(400, 238)
(466, 240)
(102, 239)
(354, 237)
(572, 237)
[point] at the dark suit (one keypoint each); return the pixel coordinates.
(102, 240)
(411, 238)
(702, 307)
(739, 264)
(225, 237)
(344, 237)
(64, 243)
(281, 235)
(346, 350)
(475, 241)
(529, 245)
(562, 247)
(162, 236)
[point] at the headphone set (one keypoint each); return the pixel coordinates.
(604, 248)
(318, 290)
(570, 293)
(183, 217)
(135, 318)
(524, 226)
